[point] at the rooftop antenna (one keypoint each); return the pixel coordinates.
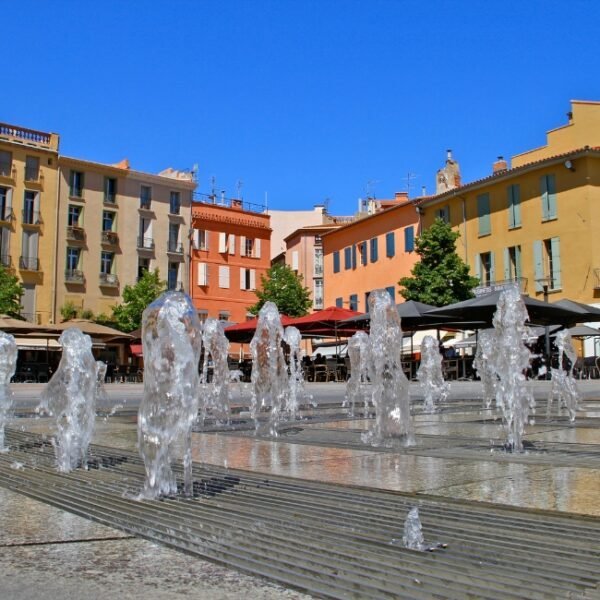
(371, 188)
(213, 193)
(326, 204)
(409, 177)
(238, 187)
(194, 172)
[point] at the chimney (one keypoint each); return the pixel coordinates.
(500, 165)
(448, 154)
(570, 116)
(423, 191)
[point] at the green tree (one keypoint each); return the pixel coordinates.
(128, 315)
(441, 277)
(11, 291)
(68, 311)
(284, 287)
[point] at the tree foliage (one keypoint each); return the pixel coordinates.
(440, 277)
(128, 315)
(11, 291)
(283, 287)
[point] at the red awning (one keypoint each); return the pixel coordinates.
(136, 349)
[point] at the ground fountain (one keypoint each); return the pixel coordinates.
(564, 387)
(430, 374)
(358, 352)
(413, 531)
(70, 397)
(296, 392)
(390, 388)
(172, 343)
(8, 364)
(510, 362)
(483, 364)
(269, 372)
(216, 392)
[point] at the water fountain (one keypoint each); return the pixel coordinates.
(8, 364)
(413, 531)
(390, 389)
(70, 397)
(564, 387)
(269, 372)
(510, 361)
(486, 342)
(216, 393)
(172, 343)
(296, 392)
(431, 375)
(358, 352)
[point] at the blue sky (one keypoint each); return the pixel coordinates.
(305, 100)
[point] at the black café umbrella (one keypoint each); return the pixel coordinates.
(587, 313)
(482, 308)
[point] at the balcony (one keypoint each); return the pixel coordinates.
(74, 276)
(175, 285)
(501, 284)
(109, 280)
(75, 234)
(110, 199)
(145, 204)
(145, 243)
(27, 263)
(29, 136)
(6, 215)
(34, 176)
(5, 261)
(110, 237)
(31, 217)
(174, 247)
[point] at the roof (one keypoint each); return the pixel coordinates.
(319, 229)
(509, 173)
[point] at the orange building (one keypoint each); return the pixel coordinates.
(370, 253)
(230, 251)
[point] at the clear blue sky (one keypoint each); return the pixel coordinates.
(305, 100)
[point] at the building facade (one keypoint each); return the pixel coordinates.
(230, 253)
(112, 225)
(370, 253)
(537, 222)
(304, 255)
(28, 184)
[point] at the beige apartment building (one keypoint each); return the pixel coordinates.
(28, 180)
(113, 224)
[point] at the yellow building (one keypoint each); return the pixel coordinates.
(28, 182)
(538, 221)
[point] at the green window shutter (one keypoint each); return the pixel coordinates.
(506, 264)
(538, 264)
(409, 239)
(518, 261)
(555, 247)
(514, 205)
(548, 192)
(478, 266)
(483, 212)
(492, 268)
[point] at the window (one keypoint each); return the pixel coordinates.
(485, 268)
(202, 278)
(202, 315)
(354, 263)
(5, 259)
(374, 250)
(391, 290)
(362, 249)
(443, 214)
(145, 234)
(5, 163)
(73, 215)
(390, 244)
(175, 203)
(318, 262)
(223, 276)
(339, 302)
(546, 258)
(512, 263)
(295, 260)
(224, 315)
(226, 243)
(108, 220)
(353, 302)
(409, 239)
(173, 276)
(201, 239)
(514, 205)
(483, 214)
(31, 214)
(250, 247)
(5, 208)
(336, 261)
(318, 294)
(145, 197)
(29, 250)
(548, 193)
(247, 279)
(32, 168)
(73, 257)
(106, 262)
(143, 267)
(348, 258)
(76, 184)
(110, 190)
(174, 245)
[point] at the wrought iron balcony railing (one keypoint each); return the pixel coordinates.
(109, 279)
(31, 217)
(74, 276)
(26, 263)
(175, 247)
(6, 214)
(110, 237)
(75, 234)
(145, 243)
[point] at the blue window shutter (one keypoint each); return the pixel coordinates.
(339, 302)
(354, 256)
(538, 264)
(409, 239)
(555, 247)
(391, 290)
(506, 264)
(353, 302)
(374, 250)
(336, 261)
(390, 249)
(364, 257)
(347, 258)
(483, 212)
(514, 205)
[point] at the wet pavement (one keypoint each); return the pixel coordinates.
(458, 454)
